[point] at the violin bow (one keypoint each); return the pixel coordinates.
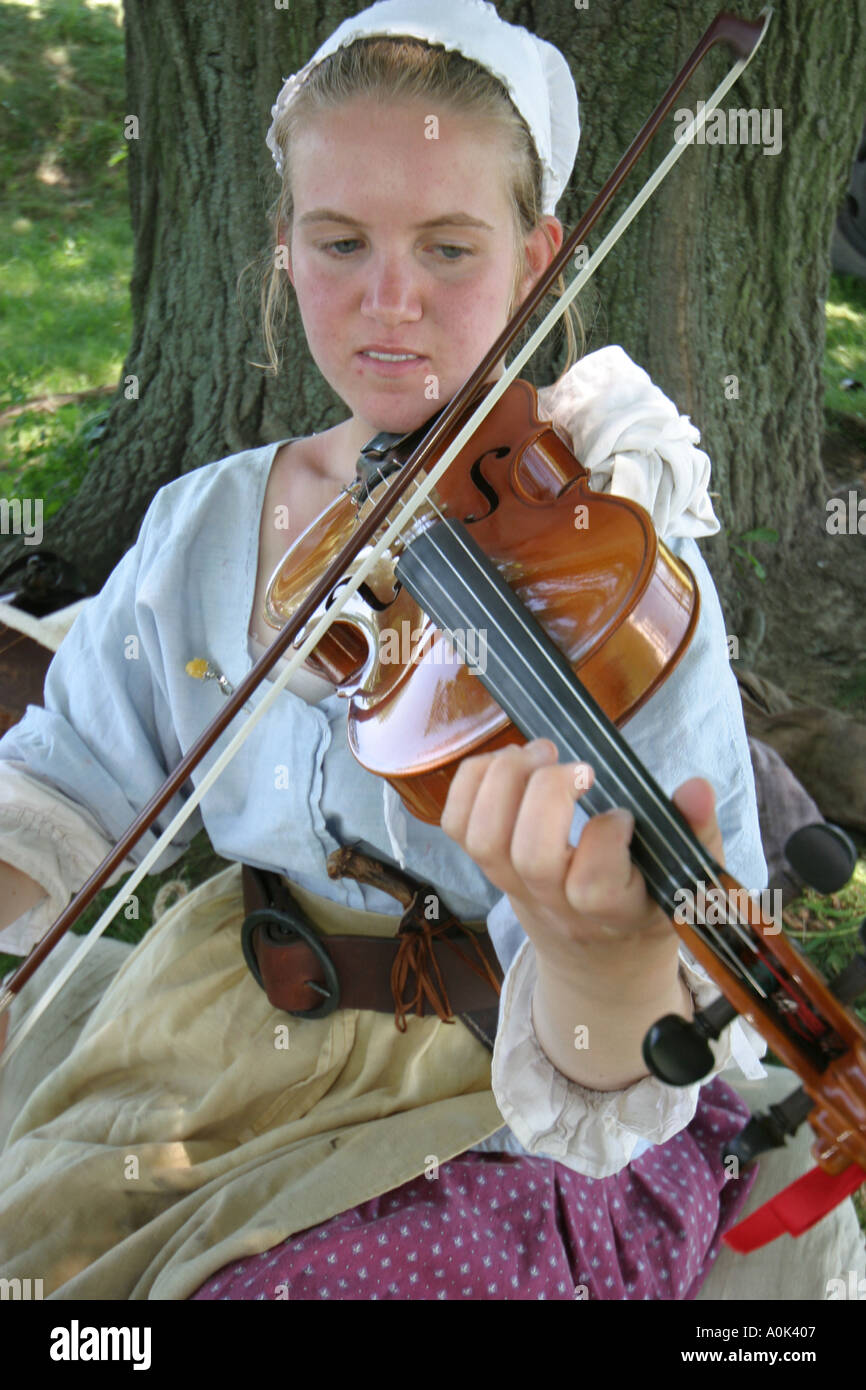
(745, 37)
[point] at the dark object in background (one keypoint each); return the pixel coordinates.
(23, 666)
(848, 246)
(38, 584)
(784, 808)
(824, 748)
(41, 583)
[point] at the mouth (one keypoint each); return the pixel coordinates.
(385, 362)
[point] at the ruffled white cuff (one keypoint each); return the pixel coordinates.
(633, 440)
(53, 840)
(595, 1133)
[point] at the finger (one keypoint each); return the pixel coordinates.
(696, 799)
(539, 847)
(466, 784)
(603, 880)
(497, 803)
(461, 795)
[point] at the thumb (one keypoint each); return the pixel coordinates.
(697, 801)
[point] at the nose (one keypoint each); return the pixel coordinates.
(393, 292)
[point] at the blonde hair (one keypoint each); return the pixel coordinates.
(405, 69)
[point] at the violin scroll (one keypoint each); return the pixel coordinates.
(677, 1051)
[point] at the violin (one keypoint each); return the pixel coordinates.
(577, 636)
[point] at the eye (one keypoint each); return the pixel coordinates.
(344, 246)
(344, 241)
(461, 251)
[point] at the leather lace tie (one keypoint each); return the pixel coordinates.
(415, 953)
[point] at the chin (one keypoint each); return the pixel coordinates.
(403, 417)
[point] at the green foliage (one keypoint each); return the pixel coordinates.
(852, 691)
(758, 533)
(65, 236)
(826, 928)
(62, 81)
(65, 325)
(845, 350)
(51, 454)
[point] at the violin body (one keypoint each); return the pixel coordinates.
(589, 567)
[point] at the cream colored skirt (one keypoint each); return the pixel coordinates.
(189, 1123)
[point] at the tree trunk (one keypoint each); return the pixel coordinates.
(201, 79)
(717, 289)
(719, 286)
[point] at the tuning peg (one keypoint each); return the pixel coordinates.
(851, 983)
(822, 855)
(676, 1049)
(770, 1128)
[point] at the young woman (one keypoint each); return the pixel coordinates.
(168, 1133)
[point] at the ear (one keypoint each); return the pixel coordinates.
(284, 245)
(542, 245)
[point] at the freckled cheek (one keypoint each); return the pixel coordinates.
(324, 309)
(474, 320)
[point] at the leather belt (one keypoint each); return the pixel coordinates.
(436, 967)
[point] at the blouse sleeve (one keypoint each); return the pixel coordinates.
(75, 772)
(596, 1133)
(691, 727)
(633, 440)
(56, 842)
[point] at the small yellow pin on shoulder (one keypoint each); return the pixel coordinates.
(197, 668)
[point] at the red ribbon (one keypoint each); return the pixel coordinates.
(795, 1209)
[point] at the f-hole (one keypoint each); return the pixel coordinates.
(484, 487)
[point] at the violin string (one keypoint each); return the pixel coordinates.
(702, 929)
(566, 712)
(691, 842)
(721, 944)
(603, 792)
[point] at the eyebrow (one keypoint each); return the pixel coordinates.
(450, 219)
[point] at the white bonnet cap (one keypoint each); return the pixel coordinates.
(534, 72)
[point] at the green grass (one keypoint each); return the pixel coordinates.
(66, 252)
(826, 928)
(851, 694)
(65, 235)
(199, 863)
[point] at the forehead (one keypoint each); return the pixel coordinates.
(379, 156)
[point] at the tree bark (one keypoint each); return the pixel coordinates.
(723, 275)
(201, 79)
(726, 271)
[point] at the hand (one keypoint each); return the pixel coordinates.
(511, 811)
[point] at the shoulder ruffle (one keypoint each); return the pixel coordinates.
(633, 440)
